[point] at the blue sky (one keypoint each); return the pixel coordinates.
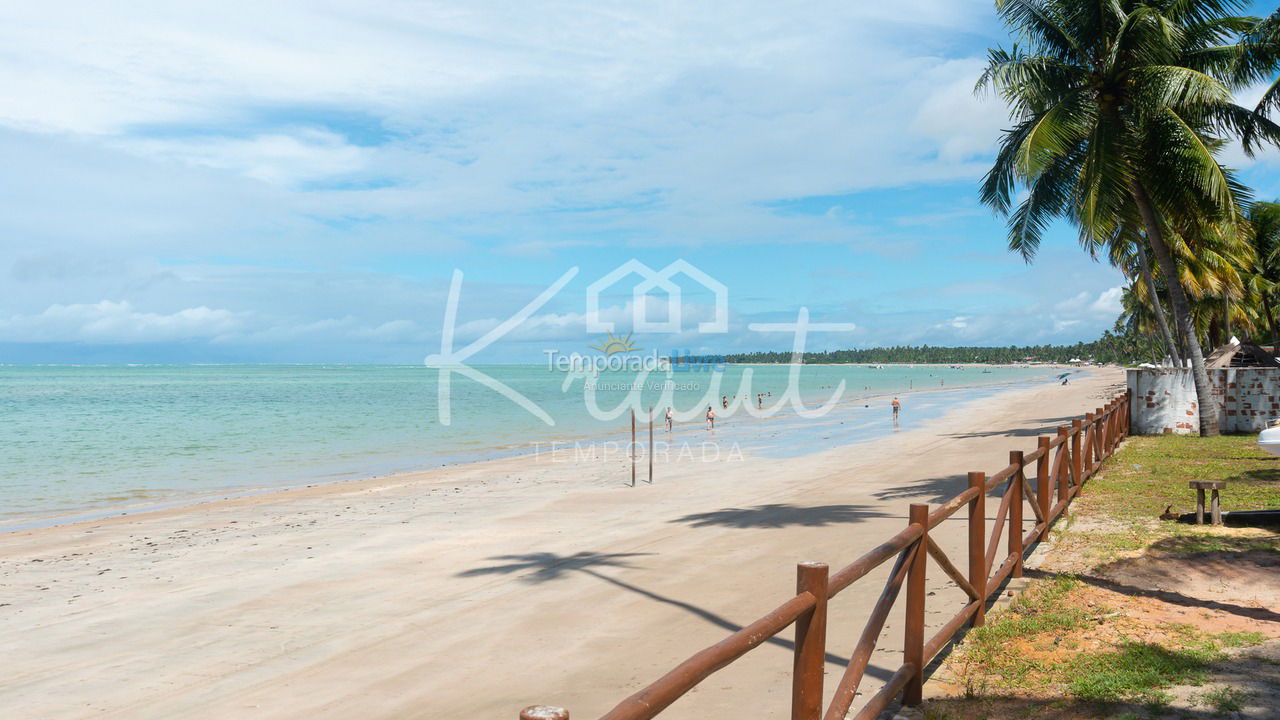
(227, 182)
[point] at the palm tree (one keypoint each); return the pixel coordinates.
(1116, 105)
(1251, 60)
(1264, 221)
(1128, 253)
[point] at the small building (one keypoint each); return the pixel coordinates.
(1245, 378)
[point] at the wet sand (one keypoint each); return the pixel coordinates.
(475, 590)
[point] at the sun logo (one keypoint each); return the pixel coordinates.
(612, 344)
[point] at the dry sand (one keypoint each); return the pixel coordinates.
(472, 591)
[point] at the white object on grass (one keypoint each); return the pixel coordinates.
(1269, 440)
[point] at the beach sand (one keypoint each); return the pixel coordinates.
(472, 591)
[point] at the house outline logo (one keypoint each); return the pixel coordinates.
(663, 280)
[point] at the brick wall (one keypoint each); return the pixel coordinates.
(1164, 400)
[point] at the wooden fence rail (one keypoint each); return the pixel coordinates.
(1063, 463)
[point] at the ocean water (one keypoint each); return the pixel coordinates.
(80, 439)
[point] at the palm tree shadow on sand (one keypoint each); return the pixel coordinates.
(780, 515)
(540, 567)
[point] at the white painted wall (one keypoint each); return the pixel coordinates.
(1164, 399)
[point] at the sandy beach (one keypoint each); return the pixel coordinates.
(472, 591)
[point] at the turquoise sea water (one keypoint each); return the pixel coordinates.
(79, 439)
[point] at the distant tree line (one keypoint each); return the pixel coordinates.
(1121, 347)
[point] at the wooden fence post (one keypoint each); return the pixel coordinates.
(1042, 483)
(811, 644)
(544, 712)
(1097, 437)
(1108, 429)
(913, 635)
(1064, 478)
(1015, 511)
(978, 572)
(1077, 463)
(650, 444)
(1088, 445)
(1128, 412)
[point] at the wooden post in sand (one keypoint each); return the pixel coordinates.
(811, 644)
(544, 712)
(650, 444)
(633, 447)
(913, 633)
(1015, 510)
(977, 545)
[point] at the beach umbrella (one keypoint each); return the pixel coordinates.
(1063, 375)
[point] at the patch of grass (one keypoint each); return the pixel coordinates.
(1139, 671)
(1240, 639)
(1055, 644)
(1225, 699)
(1152, 472)
(1187, 542)
(1043, 610)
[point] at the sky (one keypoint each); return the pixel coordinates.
(299, 181)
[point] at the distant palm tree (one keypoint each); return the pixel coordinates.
(1264, 219)
(1118, 108)
(1142, 300)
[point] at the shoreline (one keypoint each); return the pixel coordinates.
(340, 600)
(500, 453)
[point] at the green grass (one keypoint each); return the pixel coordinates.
(1240, 639)
(1225, 699)
(1043, 644)
(1044, 609)
(1199, 541)
(1138, 671)
(994, 658)
(1152, 472)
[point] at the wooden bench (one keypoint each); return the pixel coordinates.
(1215, 506)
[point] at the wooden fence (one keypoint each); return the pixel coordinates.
(1062, 464)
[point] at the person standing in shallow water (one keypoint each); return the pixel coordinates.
(897, 406)
(668, 419)
(711, 418)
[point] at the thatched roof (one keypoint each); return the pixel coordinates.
(1245, 354)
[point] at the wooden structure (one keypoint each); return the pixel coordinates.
(1216, 510)
(1062, 465)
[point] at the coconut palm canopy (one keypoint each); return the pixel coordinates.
(1118, 111)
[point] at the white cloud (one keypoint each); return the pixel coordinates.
(274, 157)
(314, 170)
(1108, 301)
(591, 101)
(117, 322)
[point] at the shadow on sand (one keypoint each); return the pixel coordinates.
(543, 567)
(930, 490)
(1040, 426)
(782, 515)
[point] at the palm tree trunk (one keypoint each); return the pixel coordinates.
(1271, 317)
(1144, 269)
(1226, 318)
(1181, 310)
